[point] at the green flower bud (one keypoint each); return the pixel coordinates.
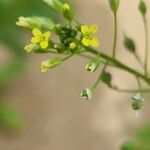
(67, 12)
(36, 22)
(51, 63)
(58, 29)
(93, 64)
(137, 102)
(86, 94)
(142, 7)
(129, 44)
(106, 78)
(78, 26)
(56, 4)
(114, 4)
(60, 48)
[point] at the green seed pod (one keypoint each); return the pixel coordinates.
(114, 4)
(106, 78)
(86, 94)
(142, 7)
(93, 64)
(137, 102)
(129, 44)
(50, 63)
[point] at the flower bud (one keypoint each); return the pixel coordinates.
(51, 63)
(67, 12)
(86, 94)
(72, 45)
(93, 64)
(137, 102)
(36, 22)
(30, 47)
(114, 4)
(142, 7)
(56, 4)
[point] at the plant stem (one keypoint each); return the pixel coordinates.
(129, 90)
(99, 78)
(115, 34)
(139, 60)
(146, 45)
(119, 64)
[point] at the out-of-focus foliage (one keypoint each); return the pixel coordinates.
(11, 36)
(10, 118)
(141, 140)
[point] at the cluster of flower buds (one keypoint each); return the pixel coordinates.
(72, 36)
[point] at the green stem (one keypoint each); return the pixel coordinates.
(139, 60)
(119, 64)
(115, 34)
(139, 85)
(129, 90)
(99, 78)
(146, 45)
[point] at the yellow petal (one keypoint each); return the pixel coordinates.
(94, 42)
(86, 41)
(84, 29)
(44, 44)
(93, 29)
(47, 35)
(44, 65)
(36, 32)
(43, 68)
(35, 39)
(29, 48)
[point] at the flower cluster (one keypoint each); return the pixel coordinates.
(74, 38)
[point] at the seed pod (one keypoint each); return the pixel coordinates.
(50, 63)
(86, 94)
(142, 7)
(114, 4)
(129, 44)
(137, 102)
(106, 78)
(93, 64)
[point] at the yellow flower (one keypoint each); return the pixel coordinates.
(40, 38)
(66, 6)
(88, 33)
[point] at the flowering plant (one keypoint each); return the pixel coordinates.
(76, 38)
